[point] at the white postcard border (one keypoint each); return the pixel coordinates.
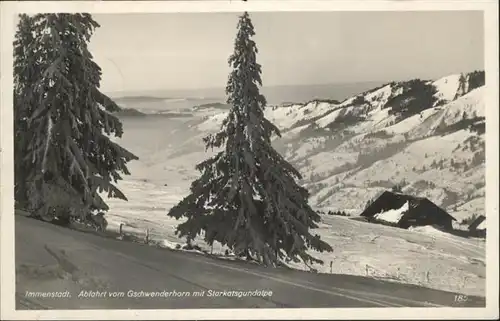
(7, 11)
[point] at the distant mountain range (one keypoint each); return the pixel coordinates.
(129, 112)
(274, 94)
(140, 98)
(212, 106)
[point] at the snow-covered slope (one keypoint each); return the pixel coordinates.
(447, 87)
(426, 136)
(425, 256)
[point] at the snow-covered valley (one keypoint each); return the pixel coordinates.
(429, 142)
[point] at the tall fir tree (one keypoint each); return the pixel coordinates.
(64, 155)
(247, 197)
(25, 65)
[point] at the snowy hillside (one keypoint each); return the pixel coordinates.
(423, 256)
(426, 135)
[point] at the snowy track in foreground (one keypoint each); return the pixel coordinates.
(121, 266)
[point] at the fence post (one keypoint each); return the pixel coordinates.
(331, 267)
(121, 229)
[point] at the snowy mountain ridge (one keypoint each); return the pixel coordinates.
(427, 136)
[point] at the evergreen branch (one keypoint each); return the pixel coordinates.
(108, 104)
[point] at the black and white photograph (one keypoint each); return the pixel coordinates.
(248, 160)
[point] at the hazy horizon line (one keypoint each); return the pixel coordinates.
(264, 86)
(149, 92)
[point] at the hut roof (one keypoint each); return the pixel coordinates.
(393, 201)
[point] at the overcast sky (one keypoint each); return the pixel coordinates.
(190, 50)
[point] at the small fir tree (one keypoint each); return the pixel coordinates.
(247, 197)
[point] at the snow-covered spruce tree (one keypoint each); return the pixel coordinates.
(63, 152)
(25, 64)
(247, 197)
